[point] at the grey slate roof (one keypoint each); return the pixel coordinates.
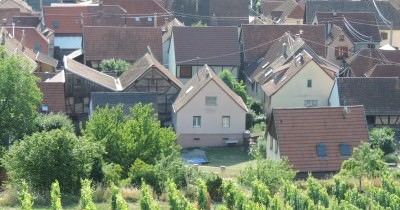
(379, 95)
(388, 11)
(127, 99)
(205, 45)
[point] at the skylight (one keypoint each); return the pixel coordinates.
(189, 89)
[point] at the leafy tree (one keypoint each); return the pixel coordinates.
(339, 189)
(276, 203)
(355, 198)
(117, 66)
(147, 201)
(270, 172)
(53, 121)
(126, 138)
(25, 197)
(238, 87)
(364, 162)
(296, 198)
(55, 196)
(87, 195)
(383, 138)
(112, 173)
(19, 97)
(48, 156)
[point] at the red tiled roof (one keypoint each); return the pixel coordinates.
(257, 39)
(32, 38)
(299, 130)
(70, 20)
(128, 43)
(217, 45)
(297, 12)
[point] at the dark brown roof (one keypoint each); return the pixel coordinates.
(141, 66)
(69, 17)
(350, 23)
(236, 12)
(299, 130)
(206, 45)
(257, 39)
(285, 9)
(33, 38)
(269, 6)
(128, 43)
(366, 59)
(380, 96)
(384, 70)
(196, 84)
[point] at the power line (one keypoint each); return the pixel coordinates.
(233, 53)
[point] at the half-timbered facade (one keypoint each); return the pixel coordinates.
(146, 75)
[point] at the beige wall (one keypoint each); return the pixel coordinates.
(295, 91)
(291, 21)
(211, 116)
(330, 53)
(207, 140)
(396, 38)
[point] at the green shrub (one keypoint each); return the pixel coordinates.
(117, 66)
(142, 171)
(383, 138)
(117, 201)
(87, 195)
(55, 196)
(25, 197)
(391, 158)
(339, 189)
(271, 172)
(53, 121)
(214, 186)
(317, 193)
(112, 173)
(256, 106)
(147, 201)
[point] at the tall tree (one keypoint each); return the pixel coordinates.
(364, 162)
(19, 97)
(237, 87)
(383, 138)
(128, 137)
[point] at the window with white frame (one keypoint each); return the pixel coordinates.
(226, 121)
(196, 121)
(149, 19)
(211, 100)
(308, 103)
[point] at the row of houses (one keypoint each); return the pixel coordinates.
(322, 85)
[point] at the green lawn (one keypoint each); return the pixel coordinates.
(234, 159)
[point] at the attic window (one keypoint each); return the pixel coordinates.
(55, 24)
(384, 35)
(137, 19)
(341, 37)
(321, 150)
(189, 89)
(211, 100)
(345, 150)
(149, 19)
(44, 109)
(265, 65)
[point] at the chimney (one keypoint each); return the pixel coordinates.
(345, 112)
(284, 49)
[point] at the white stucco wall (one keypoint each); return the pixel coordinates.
(211, 118)
(295, 91)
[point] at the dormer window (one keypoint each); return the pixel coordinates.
(149, 19)
(137, 19)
